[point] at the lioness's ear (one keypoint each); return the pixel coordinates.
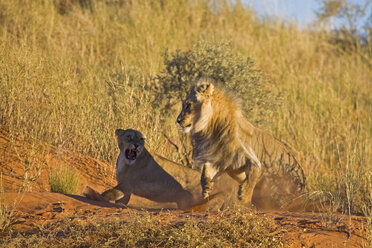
(119, 132)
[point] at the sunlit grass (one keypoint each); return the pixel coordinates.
(71, 79)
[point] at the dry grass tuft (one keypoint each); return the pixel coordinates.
(227, 229)
(7, 211)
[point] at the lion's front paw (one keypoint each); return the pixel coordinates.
(205, 194)
(207, 187)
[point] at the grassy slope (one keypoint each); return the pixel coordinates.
(72, 79)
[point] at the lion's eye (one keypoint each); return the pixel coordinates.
(188, 105)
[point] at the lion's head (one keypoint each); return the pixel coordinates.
(196, 108)
(131, 144)
(221, 135)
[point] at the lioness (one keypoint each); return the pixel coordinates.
(138, 173)
(224, 141)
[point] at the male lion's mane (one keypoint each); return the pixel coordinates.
(223, 140)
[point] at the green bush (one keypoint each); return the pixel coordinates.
(64, 180)
(219, 62)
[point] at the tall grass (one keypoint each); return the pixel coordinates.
(70, 79)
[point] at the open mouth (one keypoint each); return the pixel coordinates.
(131, 154)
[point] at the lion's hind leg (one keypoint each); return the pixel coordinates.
(245, 192)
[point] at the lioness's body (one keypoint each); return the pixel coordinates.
(187, 177)
(138, 173)
(225, 142)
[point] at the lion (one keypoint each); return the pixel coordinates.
(138, 173)
(224, 141)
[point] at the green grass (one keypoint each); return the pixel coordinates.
(71, 79)
(64, 179)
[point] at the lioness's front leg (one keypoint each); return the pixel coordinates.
(120, 194)
(206, 181)
(112, 194)
(246, 188)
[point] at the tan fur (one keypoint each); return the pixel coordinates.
(225, 142)
(143, 176)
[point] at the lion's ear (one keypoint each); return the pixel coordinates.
(206, 89)
(119, 132)
(209, 90)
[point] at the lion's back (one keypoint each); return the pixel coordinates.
(279, 161)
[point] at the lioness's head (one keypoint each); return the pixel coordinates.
(196, 108)
(131, 144)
